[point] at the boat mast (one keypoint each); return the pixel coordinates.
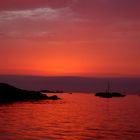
(108, 87)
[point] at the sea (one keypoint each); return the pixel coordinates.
(77, 116)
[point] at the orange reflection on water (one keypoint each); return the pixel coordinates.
(76, 116)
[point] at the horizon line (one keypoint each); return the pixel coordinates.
(63, 76)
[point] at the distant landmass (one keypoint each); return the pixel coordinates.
(10, 93)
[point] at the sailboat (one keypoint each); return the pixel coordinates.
(108, 94)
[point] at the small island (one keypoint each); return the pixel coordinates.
(10, 93)
(51, 91)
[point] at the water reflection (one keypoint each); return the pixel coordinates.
(75, 117)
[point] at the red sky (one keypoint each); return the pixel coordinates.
(70, 37)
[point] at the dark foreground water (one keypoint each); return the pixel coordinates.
(75, 117)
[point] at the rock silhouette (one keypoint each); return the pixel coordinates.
(10, 93)
(51, 91)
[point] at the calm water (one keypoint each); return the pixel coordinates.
(75, 117)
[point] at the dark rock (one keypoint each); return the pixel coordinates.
(47, 91)
(10, 93)
(58, 91)
(51, 91)
(54, 97)
(117, 94)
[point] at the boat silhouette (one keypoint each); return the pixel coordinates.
(109, 94)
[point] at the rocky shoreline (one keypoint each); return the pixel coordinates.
(10, 93)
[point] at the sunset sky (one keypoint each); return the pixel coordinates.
(70, 37)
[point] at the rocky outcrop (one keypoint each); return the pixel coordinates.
(51, 91)
(10, 93)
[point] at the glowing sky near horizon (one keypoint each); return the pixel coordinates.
(70, 37)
